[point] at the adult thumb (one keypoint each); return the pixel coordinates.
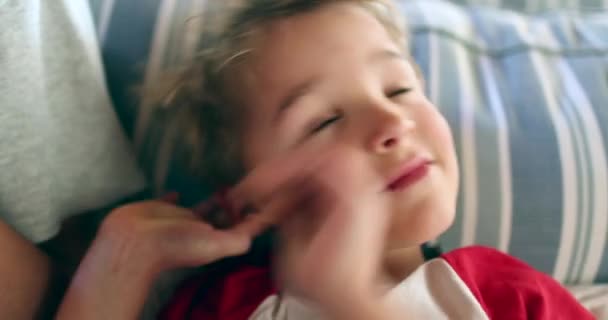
(212, 245)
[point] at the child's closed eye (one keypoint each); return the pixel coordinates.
(325, 123)
(328, 121)
(398, 92)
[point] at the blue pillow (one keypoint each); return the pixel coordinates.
(526, 98)
(539, 6)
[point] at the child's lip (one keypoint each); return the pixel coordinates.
(409, 173)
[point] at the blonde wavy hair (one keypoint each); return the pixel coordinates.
(207, 119)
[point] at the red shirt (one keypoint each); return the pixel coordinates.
(469, 283)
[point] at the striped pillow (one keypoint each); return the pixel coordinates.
(536, 6)
(526, 98)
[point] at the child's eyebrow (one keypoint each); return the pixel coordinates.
(302, 89)
(385, 54)
(294, 94)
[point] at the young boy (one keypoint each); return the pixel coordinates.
(352, 164)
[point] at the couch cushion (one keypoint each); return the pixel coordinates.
(526, 98)
(539, 6)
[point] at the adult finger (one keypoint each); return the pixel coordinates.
(199, 246)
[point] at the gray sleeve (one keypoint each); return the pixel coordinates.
(62, 150)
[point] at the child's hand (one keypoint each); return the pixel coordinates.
(332, 250)
(332, 224)
(333, 245)
(270, 182)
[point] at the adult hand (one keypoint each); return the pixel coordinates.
(137, 242)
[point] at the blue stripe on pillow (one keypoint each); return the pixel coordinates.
(535, 158)
(125, 51)
(536, 6)
(495, 198)
(590, 73)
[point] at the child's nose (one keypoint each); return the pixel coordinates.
(391, 130)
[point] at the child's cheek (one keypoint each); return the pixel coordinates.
(348, 172)
(435, 129)
(292, 130)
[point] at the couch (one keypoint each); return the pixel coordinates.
(524, 85)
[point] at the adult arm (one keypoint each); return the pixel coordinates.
(29, 287)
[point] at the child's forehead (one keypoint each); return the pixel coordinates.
(331, 17)
(292, 50)
(321, 35)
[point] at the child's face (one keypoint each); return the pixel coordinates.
(334, 77)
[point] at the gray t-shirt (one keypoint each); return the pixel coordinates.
(62, 150)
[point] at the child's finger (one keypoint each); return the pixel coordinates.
(267, 180)
(281, 188)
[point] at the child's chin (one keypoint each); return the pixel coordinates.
(421, 228)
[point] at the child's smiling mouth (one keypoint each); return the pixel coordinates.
(413, 171)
